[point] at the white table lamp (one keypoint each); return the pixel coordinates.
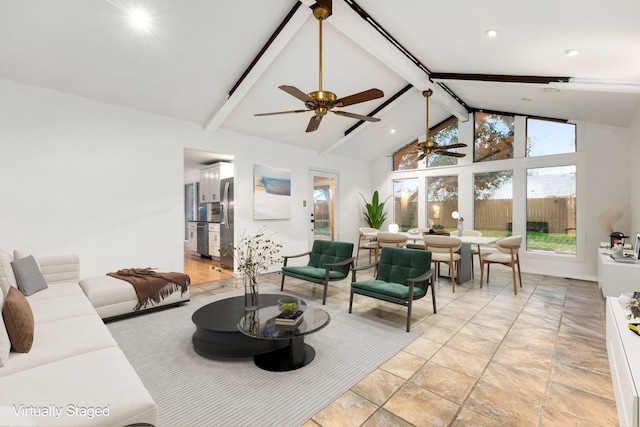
(393, 228)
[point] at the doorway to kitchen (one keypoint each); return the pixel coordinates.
(323, 209)
(204, 175)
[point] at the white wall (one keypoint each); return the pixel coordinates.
(106, 182)
(603, 181)
(634, 165)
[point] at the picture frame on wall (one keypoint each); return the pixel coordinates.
(271, 193)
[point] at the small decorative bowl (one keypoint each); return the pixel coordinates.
(288, 304)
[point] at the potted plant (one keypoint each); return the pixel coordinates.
(374, 214)
(254, 254)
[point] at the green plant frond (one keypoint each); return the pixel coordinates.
(373, 213)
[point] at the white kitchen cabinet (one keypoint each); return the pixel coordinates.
(192, 230)
(210, 181)
(623, 347)
(214, 240)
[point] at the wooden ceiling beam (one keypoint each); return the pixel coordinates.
(498, 78)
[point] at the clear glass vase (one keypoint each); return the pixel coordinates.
(251, 291)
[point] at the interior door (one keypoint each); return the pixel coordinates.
(322, 215)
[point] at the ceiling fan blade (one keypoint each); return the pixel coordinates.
(314, 123)
(448, 153)
(446, 147)
(282, 112)
(421, 156)
(294, 91)
(356, 116)
(356, 98)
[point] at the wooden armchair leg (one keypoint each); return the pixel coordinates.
(282, 282)
(433, 296)
(409, 315)
(324, 296)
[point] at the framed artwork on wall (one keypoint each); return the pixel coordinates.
(271, 193)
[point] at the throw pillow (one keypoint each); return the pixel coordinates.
(28, 276)
(18, 318)
(23, 253)
(7, 279)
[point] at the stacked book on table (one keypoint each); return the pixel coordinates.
(289, 318)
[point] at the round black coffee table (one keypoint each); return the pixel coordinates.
(295, 354)
(217, 331)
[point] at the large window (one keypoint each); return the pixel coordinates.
(493, 204)
(405, 203)
(546, 137)
(442, 200)
(493, 138)
(551, 209)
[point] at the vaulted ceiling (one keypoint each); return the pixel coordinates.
(218, 63)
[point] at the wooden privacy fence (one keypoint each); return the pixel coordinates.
(556, 213)
(549, 215)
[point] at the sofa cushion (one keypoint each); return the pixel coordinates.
(96, 379)
(7, 278)
(61, 339)
(28, 275)
(5, 343)
(18, 318)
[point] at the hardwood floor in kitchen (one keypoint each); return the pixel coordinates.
(203, 270)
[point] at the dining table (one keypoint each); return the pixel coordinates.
(464, 251)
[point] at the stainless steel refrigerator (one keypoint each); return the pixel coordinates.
(226, 223)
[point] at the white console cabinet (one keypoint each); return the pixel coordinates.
(623, 349)
(617, 277)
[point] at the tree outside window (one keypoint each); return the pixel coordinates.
(442, 200)
(406, 157)
(493, 137)
(547, 137)
(444, 133)
(493, 205)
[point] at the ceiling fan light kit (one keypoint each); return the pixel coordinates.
(320, 101)
(431, 147)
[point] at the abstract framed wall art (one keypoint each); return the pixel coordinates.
(271, 193)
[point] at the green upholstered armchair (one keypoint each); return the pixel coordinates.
(403, 276)
(328, 261)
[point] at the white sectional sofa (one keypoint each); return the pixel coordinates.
(74, 374)
(113, 297)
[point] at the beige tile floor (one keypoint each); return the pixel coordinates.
(487, 358)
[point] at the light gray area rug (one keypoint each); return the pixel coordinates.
(191, 390)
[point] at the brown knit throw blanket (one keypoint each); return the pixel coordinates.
(151, 285)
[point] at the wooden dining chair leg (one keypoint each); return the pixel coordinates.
(453, 278)
(519, 271)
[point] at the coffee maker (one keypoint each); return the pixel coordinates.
(617, 237)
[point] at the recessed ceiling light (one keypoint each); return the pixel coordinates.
(492, 32)
(392, 130)
(572, 52)
(140, 18)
